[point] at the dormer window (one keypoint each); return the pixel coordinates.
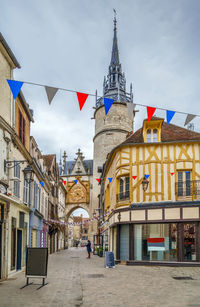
(152, 135)
(152, 130)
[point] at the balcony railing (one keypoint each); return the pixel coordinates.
(123, 196)
(187, 188)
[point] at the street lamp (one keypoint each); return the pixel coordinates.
(28, 171)
(145, 184)
(28, 174)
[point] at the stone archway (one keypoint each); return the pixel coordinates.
(72, 207)
(73, 231)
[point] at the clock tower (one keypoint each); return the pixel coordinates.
(110, 129)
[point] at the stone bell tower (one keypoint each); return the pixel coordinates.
(110, 129)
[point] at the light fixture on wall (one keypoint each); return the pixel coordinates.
(28, 171)
(145, 184)
(28, 174)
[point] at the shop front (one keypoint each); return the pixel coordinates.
(17, 237)
(173, 239)
(165, 242)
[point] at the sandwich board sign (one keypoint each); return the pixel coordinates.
(36, 264)
(109, 260)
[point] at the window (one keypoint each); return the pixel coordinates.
(30, 193)
(36, 192)
(123, 188)
(152, 135)
(21, 219)
(149, 136)
(155, 135)
(16, 179)
(22, 127)
(184, 183)
(26, 192)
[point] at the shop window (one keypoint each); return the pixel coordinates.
(155, 242)
(189, 242)
(184, 183)
(22, 127)
(124, 188)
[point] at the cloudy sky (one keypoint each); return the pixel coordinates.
(67, 44)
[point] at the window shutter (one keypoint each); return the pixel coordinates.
(34, 195)
(30, 193)
(24, 131)
(24, 191)
(39, 190)
(15, 169)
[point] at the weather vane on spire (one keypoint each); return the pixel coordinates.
(115, 20)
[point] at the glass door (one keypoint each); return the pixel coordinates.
(189, 238)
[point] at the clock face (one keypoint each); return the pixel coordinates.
(77, 194)
(3, 189)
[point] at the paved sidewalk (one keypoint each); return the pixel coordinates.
(74, 280)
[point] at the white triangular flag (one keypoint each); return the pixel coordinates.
(51, 91)
(189, 118)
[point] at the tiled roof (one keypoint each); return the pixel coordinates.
(77, 219)
(170, 133)
(48, 159)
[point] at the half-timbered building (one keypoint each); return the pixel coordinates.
(153, 200)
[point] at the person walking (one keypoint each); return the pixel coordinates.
(89, 248)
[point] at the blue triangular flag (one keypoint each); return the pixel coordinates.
(15, 87)
(170, 115)
(110, 179)
(146, 176)
(107, 104)
(75, 181)
(42, 183)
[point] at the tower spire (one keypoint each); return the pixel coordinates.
(114, 86)
(115, 51)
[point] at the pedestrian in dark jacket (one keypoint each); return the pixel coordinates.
(89, 248)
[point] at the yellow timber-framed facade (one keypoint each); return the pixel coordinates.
(160, 222)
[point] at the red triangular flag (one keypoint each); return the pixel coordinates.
(172, 174)
(81, 99)
(134, 177)
(64, 181)
(98, 179)
(150, 112)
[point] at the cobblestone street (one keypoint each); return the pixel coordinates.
(74, 280)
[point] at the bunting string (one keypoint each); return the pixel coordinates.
(15, 87)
